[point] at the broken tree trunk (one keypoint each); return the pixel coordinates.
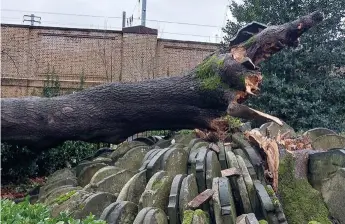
(112, 112)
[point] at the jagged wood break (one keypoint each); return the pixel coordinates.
(112, 112)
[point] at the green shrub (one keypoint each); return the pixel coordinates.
(19, 163)
(38, 213)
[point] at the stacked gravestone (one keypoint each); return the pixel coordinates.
(189, 181)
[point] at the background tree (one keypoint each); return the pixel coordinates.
(302, 86)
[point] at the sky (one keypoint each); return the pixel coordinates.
(164, 15)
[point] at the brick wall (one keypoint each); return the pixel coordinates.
(131, 55)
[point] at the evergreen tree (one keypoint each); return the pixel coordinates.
(303, 85)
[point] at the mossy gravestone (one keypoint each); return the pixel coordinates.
(151, 215)
(157, 191)
(333, 192)
(122, 212)
(94, 204)
(328, 142)
(301, 202)
(133, 188)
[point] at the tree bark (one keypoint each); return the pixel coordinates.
(112, 112)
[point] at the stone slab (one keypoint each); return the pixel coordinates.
(173, 209)
(133, 189)
(201, 198)
(333, 192)
(328, 142)
(157, 191)
(200, 217)
(55, 193)
(200, 168)
(188, 191)
(175, 161)
(212, 168)
(155, 163)
(238, 184)
(226, 199)
(249, 184)
(133, 158)
(70, 204)
(121, 212)
(94, 204)
(322, 165)
(231, 172)
(61, 174)
(265, 200)
(155, 216)
(103, 173)
(114, 183)
(87, 173)
(221, 155)
(123, 148)
(56, 184)
(314, 133)
(221, 204)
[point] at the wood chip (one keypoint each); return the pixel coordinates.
(200, 199)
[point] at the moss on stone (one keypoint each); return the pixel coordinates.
(273, 196)
(201, 215)
(208, 73)
(65, 197)
(262, 221)
(199, 212)
(81, 206)
(301, 202)
(157, 184)
(188, 216)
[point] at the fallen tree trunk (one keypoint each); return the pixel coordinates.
(112, 112)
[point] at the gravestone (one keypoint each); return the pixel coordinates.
(328, 142)
(175, 161)
(123, 148)
(87, 173)
(249, 184)
(133, 188)
(94, 204)
(223, 203)
(103, 173)
(151, 215)
(237, 183)
(322, 165)
(55, 193)
(122, 212)
(157, 191)
(188, 191)
(132, 160)
(173, 209)
(114, 183)
(314, 133)
(333, 192)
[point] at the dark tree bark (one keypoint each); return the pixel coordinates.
(112, 112)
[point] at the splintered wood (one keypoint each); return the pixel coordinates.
(270, 147)
(252, 83)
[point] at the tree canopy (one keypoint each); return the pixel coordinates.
(304, 86)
